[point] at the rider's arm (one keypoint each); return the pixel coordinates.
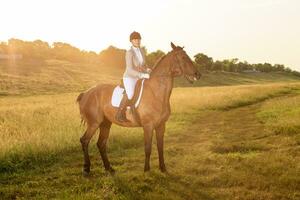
(130, 67)
(147, 69)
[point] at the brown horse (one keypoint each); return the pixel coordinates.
(97, 111)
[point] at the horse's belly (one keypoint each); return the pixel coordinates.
(110, 113)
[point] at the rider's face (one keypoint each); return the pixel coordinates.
(136, 42)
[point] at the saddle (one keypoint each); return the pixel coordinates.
(131, 103)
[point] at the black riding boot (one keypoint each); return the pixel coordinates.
(121, 113)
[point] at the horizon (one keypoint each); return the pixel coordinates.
(252, 31)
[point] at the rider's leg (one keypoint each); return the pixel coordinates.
(129, 85)
(121, 113)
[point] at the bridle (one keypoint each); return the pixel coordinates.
(180, 67)
(175, 64)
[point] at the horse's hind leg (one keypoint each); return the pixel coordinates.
(103, 137)
(85, 140)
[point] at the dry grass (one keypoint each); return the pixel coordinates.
(225, 97)
(50, 123)
(282, 115)
(212, 150)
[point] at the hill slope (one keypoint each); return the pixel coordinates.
(54, 76)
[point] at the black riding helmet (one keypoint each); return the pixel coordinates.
(135, 35)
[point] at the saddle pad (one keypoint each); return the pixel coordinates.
(118, 94)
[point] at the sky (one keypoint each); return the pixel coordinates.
(250, 30)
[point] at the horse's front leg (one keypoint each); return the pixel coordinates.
(160, 130)
(148, 133)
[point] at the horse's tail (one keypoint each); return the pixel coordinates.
(88, 104)
(78, 101)
(79, 97)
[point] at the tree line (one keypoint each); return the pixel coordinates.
(115, 57)
(234, 65)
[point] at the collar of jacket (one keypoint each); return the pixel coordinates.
(135, 56)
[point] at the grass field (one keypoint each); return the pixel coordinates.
(232, 78)
(225, 142)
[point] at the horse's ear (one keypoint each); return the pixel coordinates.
(173, 46)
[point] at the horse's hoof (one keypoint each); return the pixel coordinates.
(85, 173)
(111, 170)
(163, 170)
(146, 169)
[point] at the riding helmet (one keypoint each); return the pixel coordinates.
(135, 35)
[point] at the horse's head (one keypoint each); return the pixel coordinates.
(182, 64)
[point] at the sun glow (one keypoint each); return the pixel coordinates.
(255, 31)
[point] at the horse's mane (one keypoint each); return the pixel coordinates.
(158, 61)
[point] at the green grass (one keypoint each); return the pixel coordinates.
(282, 115)
(232, 78)
(220, 144)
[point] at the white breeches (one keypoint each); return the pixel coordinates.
(129, 84)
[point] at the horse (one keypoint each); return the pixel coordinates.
(154, 109)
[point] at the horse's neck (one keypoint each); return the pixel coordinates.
(162, 68)
(161, 81)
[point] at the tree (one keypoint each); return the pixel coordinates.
(65, 51)
(279, 67)
(113, 57)
(217, 66)
(203, 62)
(3, 47)
(152, 57)
(40, 50)
(230, 65)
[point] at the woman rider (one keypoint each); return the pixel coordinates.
(135, 69)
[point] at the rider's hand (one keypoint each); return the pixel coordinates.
(149, 70)
(140, 68)
(144, 75)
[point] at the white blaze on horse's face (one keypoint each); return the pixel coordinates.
(188, 68)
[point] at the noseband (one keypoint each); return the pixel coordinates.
(176, 65)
